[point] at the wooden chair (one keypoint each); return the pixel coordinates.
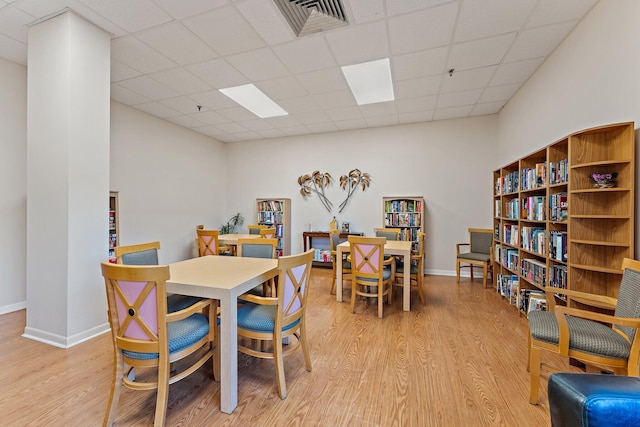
(415, 272)
(606, 342)
(388, 233)
(334, 240)
(479, 253)
(282, 316)
(369, 270)
(255, 229)
(208, 243)
(147, 254)
(259, 248)
(268, 233)
(147, 337)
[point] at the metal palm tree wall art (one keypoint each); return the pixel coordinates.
(317, 183)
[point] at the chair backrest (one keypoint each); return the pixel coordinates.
(420, 251)
(334, 239)
(481, 240)
(137, 300)
(207, 242)
(388, 233)
(141, 254)
(255, 229)
(629, 295)
(294, 272)
(268, 233)
(257, 248)
(367, 256)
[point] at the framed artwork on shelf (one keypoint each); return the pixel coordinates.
(345, 227)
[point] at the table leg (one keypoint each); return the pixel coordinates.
(228, 355)
(406, 288)
(338, 274)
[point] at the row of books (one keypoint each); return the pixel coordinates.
(533, 208)
(507, 286)
(508, 256)
(403, 206)
(534, 177)
(512, 209)
(558, 278)
(531, 299)
(270, 205)
(323, 255)
(534, 271)
(558, 245)
(510, 234)
(558, 207)
(559, 172)
(403, 220)
(507, 184)
(533, 239)
(272, 218)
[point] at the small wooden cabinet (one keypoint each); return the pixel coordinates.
(113, 224)
(276, 213)
(406, 214)
(555, 227)
(322, 257)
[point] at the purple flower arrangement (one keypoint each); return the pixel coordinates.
(604, 180)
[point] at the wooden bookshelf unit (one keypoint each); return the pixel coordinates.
(114, 229)
(405, 213)
(307, 242)
(276, 213)
(554, 226)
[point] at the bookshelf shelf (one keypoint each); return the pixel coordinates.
(406, 214)
(586, 231)
(275, 212)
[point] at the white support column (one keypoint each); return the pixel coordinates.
(68, 121)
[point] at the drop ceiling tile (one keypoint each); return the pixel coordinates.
(469, 79)
(553, 11)
(457, 99)
(419, 64)
(452, 113)
(306, 54)
(218, 73)
(299, 104)
(312, 117)
(256, 124)
(487, 108)
(137, 55)
(177, 43)
(180, 9)
(119, 71)
(182, 104)
(351, 124)
(397, 7)
(379, 121)
(425, 29)
(347, 47)
(415, 117)
(365, 10)
(270, 66)
(515, 72)
(149, 88)
(246, 136)
(237, 114)
(417, 87)
(345, 113)
(484, 18)
(538, 42)
(180, 80)
(423, 103)
(211, 131)
(126, 96)
(267, 20)
(13, 23)
(226, 30)
(271, 133)
(331, 100)
(480, 53)
(322, 127)
(282, 87)
(329, 80)
(13, 50)
(186, 121)
(228, 138)
(130, 15)
(231, 127)
(295, 130)
(212, 118)
(499, 93)
(158, 110)
(378, 109)
(213, 100)
(283, 121)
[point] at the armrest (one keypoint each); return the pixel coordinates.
(392, 262)
(195, 308)
(601, 301)
(256, 299)
(459, 245)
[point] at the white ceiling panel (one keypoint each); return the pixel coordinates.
(169, 56)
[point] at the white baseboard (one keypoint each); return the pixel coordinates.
(10, 308)
(65, 342)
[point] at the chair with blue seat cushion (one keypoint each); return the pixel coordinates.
(259, 248)
(370, 270)
(477, 252)
(415, 272)
(147, 337)
(272, 318)
(147, 254)
(334, 241)
(605, 342)
(594, 400)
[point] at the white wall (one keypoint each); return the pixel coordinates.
(169, 180)
(449, 163)
(13, 185)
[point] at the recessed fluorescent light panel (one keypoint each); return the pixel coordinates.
(370, 82)
(254, 100)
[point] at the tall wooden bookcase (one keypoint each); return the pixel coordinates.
(404, 213)
(276, 213)
(555, 227)
(114, 232)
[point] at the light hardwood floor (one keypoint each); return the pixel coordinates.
(458, 361)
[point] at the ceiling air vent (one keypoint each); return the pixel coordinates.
(312, 16)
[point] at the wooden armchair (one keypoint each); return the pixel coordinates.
(388, 233)
(255, 229)
(208, 243)
(259, 248)
(415, 270)
(370, 270)
(268, 233)
(609, 343)
(478, 253)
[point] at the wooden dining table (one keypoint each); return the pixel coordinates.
(232, 239)
(223, 278)
(391, 247)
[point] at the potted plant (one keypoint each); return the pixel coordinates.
(230, 226)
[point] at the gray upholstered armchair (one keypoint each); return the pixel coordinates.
(477, 253)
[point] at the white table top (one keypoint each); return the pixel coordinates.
(232, 239)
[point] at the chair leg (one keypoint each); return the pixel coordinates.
(381, 298)
(484, 275)
(423, 300)
(305, 346)
(353, 296)
(534, 369)
(162, 399)
(333, 281)
(457, 271)
(116, 388)
(278, 359)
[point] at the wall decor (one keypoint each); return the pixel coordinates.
(351, 183)
(316, 183)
